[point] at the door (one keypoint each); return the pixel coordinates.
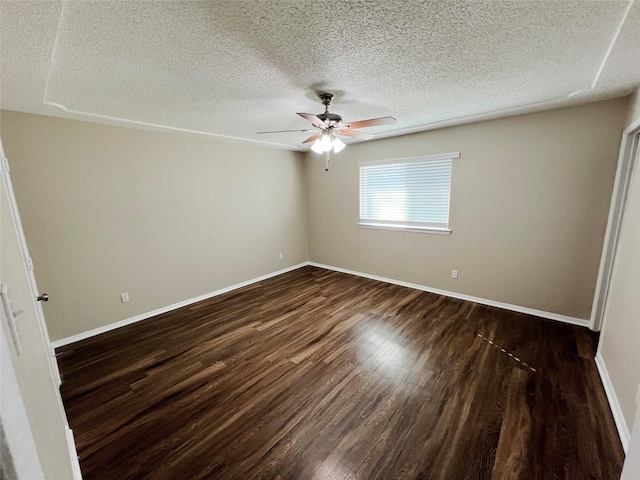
(24, 335)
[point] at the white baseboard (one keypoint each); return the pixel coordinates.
(73, 454)
(128, 321)
(492, 303)
(143, 316)
(621, 425)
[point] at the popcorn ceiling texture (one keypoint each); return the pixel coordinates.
(232, 68)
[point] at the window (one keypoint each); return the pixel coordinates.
(407, 194)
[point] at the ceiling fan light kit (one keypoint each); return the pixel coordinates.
(329, 126)
(327, 142)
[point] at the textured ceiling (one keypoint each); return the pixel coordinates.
(233, 68)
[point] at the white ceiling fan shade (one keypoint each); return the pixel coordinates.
(316, 147)
(325, 142)
(338, 144)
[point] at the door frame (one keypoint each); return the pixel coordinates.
(627, 160)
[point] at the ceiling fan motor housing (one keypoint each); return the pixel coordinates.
(330, 119)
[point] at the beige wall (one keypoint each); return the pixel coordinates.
(168, 217)
(529, 205)
(620, 335)
(164, 217)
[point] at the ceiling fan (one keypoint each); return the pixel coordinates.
(329, 126)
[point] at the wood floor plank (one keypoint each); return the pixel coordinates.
(319, 374)
(512, 453)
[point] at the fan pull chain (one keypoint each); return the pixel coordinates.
(326, 161)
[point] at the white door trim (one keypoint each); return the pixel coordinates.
(627, 159)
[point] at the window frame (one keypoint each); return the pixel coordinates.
(406, 226)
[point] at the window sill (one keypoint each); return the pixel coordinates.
(402, 228)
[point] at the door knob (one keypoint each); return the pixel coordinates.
(43, 298)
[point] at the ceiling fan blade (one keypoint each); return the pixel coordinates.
(312, 138)
(313, 119)
(287, 131)
(355, 134)
(372, 122)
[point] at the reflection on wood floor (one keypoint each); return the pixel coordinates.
(324, 375)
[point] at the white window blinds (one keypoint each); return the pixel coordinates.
(407, 193)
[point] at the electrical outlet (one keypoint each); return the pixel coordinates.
(280, 255)
(124, 297)
(454, 273)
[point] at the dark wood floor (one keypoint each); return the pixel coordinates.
(318, 374)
